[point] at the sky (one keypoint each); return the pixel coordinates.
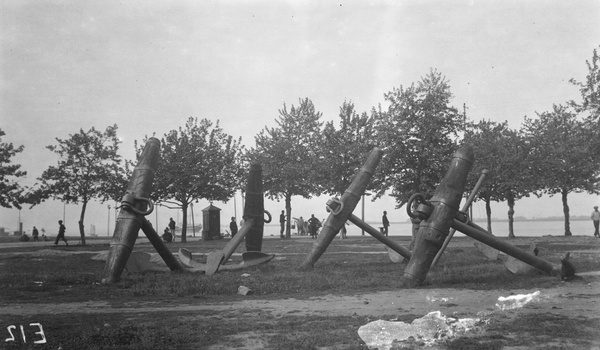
(148, 66)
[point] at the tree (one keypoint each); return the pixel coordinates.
(345, 149)
(590, 90)
(86, 161)
(418, 134)
(485, 138)
(197, 161)
(290, 155)
(590, 96)
(11, 193)
(512, 179)
(562, 147)
(497, 148)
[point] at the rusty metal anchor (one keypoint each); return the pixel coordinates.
(441, 214)
(134, 206)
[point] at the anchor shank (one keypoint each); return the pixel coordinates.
(349, 200)
(433, 230)
(127, 227)
(486, 238)
(380, 236)
(464, 209)
(255, 208)
(237, 239)
(159, 245)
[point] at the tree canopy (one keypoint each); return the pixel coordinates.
(345, 149)
(290, 154)
(561, 153)
(87, 161)
(198, 161)
(418, 133)
(11, 193)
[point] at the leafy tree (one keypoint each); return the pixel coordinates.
(197, 161)
(590, 95)
(487, 139)
(345, 149)
(11, 193)
(86, 161)
(512, 179)
(114, 189)
(562, 147)
(290, 155)
(590, 89)
(418, 134)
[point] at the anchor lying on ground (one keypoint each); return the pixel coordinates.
(341, 211)
(134, 206)
(252, 230)
(441, 214)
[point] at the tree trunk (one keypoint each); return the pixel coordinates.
(511, 215)
(564, 194)
(184, 207)
(488, 214)
(81, 225)
(288, 211)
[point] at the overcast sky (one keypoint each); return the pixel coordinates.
(148, 66)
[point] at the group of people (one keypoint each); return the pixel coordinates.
(310, 226)
(168, 235)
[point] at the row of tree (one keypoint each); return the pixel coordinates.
(556, 153)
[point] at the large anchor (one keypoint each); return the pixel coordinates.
(441, 214)
(340, 211)
(135, 205)
(251, 230)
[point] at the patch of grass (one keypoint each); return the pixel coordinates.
(69, 278)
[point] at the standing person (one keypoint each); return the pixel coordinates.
(385, 222)
(282, 223)
(343, 231)
(313, 225)
(61, 233)
(300, 226)
(35, 233)
(172, 227)
(233, 227)
(596, 219)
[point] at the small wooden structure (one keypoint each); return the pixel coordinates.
(211, 223)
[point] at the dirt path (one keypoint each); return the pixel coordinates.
(574, 298)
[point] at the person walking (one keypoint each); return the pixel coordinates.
(61, 233)
(233, 227)
(282, 223)
(35, 233)
(172, 227)
(385, 222)
(596, 220)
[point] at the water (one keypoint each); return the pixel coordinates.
(499, 228)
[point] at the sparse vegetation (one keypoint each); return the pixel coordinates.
(51, 276)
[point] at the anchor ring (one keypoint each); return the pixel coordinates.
(339, 207)
(416, 200)
(129, 200)
(269, 215)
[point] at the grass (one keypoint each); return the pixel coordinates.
(56, 278)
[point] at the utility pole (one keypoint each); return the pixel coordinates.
(464, 117)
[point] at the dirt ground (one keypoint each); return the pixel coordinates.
(576, 299)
